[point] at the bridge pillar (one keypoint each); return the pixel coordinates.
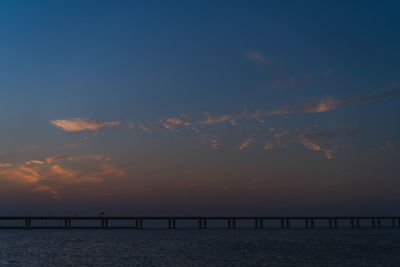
(287, 223)
(202, 223)
(373, 222)
(67, 223)
(393, 223)
(282, 223)
(171, 224)
(358, 222)
(312, 223)
(139, 223)
(379, 222)
(352, 222)
(28, 223)
(307, 224)
(256, 223)
(229, 224)
(335, 221)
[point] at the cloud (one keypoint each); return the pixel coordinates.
(246, 143)
(34, 162)
(143, 128)
(256, 56)
(58, 158)
(83, 124)
(44, 188)
(4, 165)
(268, 146)
(388, 145)
(79, 124)
(21, 174)
(209, 119)
(315, 144)
(214, 144)
(172, 122)
(321, 106)
(55, 172)
(311, 107)
(313, 140)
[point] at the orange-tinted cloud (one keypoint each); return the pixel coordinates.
(34, 162)
(172, 122)
(83, 124)
(311, 107)
(51, 175)
(2, 165)
(214, 144)
(246, 143)
(209, 119)
(21, 174)
(268, 146)
(314, 145)
(44, 188)
(58, 158)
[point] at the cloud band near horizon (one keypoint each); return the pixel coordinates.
(93, 125)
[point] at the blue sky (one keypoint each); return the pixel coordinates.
(110, 102)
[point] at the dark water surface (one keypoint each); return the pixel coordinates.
(212, 247)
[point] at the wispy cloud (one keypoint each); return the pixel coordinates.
(311, 107)
(246, 143)
(34, 162)
(268, 146)
(3, 165)
(324, 105)
(214, 144)
(388, 145)
(44, 188)
(53, 173)
(256, 56)
(316, 143)
(58, 158)
(83, 124)
(171, 123)
(312, 139)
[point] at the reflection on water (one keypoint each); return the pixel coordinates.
(241, 247)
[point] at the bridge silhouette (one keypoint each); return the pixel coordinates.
(230, 222)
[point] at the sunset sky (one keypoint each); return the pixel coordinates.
(199, 107)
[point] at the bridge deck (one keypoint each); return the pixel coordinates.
(103, 222)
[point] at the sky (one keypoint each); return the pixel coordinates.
(199, 107)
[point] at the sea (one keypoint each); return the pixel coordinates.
(206, 247)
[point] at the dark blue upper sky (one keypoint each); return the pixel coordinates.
(125, 87)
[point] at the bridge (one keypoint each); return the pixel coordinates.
(202, 222)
